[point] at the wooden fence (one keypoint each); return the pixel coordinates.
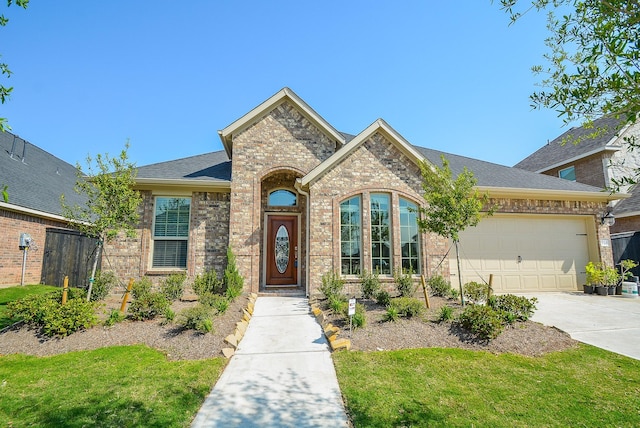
(67, 253)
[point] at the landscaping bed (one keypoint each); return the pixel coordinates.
(524, 338)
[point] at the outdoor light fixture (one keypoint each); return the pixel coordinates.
(608, 219)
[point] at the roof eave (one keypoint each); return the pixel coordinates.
(285, 94)
(567, 195)
(607, 148)
(207, 185)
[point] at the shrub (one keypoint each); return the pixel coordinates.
(407, 306)
(148, 306)
(332, 284)
(62, 320)
(369, 284)
(383, 298)
(358, 319)
(476, 292)
(169, 316)
(445, 314)
(115, 316)
(215, 301)
(103, 283)
(455, 294)
(391, 314)
(338, 303)
(404, 282)
(233, 281)
(208, 283)
(199, 318)
(172, 287)
(33, 308)
(516, 308)
(439, 286)
(141, 287)
(482, 320)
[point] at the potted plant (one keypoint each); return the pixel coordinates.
(611, 279)
(594, 277)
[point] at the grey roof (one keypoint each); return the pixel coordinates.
(555, 152)
(209, 166)
(35, 178)
(629, 205)
(493, 175)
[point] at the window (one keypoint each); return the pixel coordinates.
(282, 198)
(171, 232)
(350, 236)
(380, 234)
(409, 236)
(568, 173)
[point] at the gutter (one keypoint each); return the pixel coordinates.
(179, 183)
(566, 195)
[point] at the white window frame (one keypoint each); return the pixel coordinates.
(572, 167)
(155, 239)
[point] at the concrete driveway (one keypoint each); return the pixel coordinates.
(608, 322)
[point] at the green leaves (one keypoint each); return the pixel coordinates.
(112, 203)
(452, 204)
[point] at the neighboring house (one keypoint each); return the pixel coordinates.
(295, 198)
(35, 180)
(599, 157)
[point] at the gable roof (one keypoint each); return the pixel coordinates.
(630, 206)
(555, 153)
(283, 95)
(35, 179)
(379, 126)
(209, 170)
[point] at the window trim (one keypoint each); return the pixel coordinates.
(360, 199)
(281, 189)
(572, 167)
(418, 271)
(390, 231)
(153, 237)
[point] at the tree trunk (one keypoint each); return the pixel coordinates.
(93, 270)
(459, 273)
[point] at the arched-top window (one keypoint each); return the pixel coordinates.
(282, 198)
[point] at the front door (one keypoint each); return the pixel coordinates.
(282, 250)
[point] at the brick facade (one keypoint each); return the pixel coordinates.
(207, 246)
(12, 224)
(589, 170)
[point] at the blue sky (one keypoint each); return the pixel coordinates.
(167, 76)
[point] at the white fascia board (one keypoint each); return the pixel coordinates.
(606, 148)
(32, 212)
(569, 195)
(149, 183)
(629, 214)
(378, 126)
(226, 134)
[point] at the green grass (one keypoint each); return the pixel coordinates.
(122, 386)
(14, 293)
(583, 387)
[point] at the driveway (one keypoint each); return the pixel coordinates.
(608, 322)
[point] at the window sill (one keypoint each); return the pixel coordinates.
(164, 271)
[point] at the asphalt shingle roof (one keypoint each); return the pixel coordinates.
(35, 178)
(493, 175)
(208, 166)
(555, 152)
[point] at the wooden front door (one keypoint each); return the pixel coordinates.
(282, 250)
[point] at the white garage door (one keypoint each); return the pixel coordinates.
(525, 253)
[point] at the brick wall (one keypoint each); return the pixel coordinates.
(282, 141)
(207, 247)
(590, 170)
(12, 224)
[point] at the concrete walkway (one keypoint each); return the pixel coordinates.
(608, 322)
(281, 375)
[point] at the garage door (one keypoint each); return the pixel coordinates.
(525, 253)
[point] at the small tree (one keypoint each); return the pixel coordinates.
(452, 205)
(112, 204)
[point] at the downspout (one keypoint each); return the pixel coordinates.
(298, 187)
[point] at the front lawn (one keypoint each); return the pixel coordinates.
(14, 293)
(585, 386)
(120, 386)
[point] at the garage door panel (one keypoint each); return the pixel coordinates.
(553, 251)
